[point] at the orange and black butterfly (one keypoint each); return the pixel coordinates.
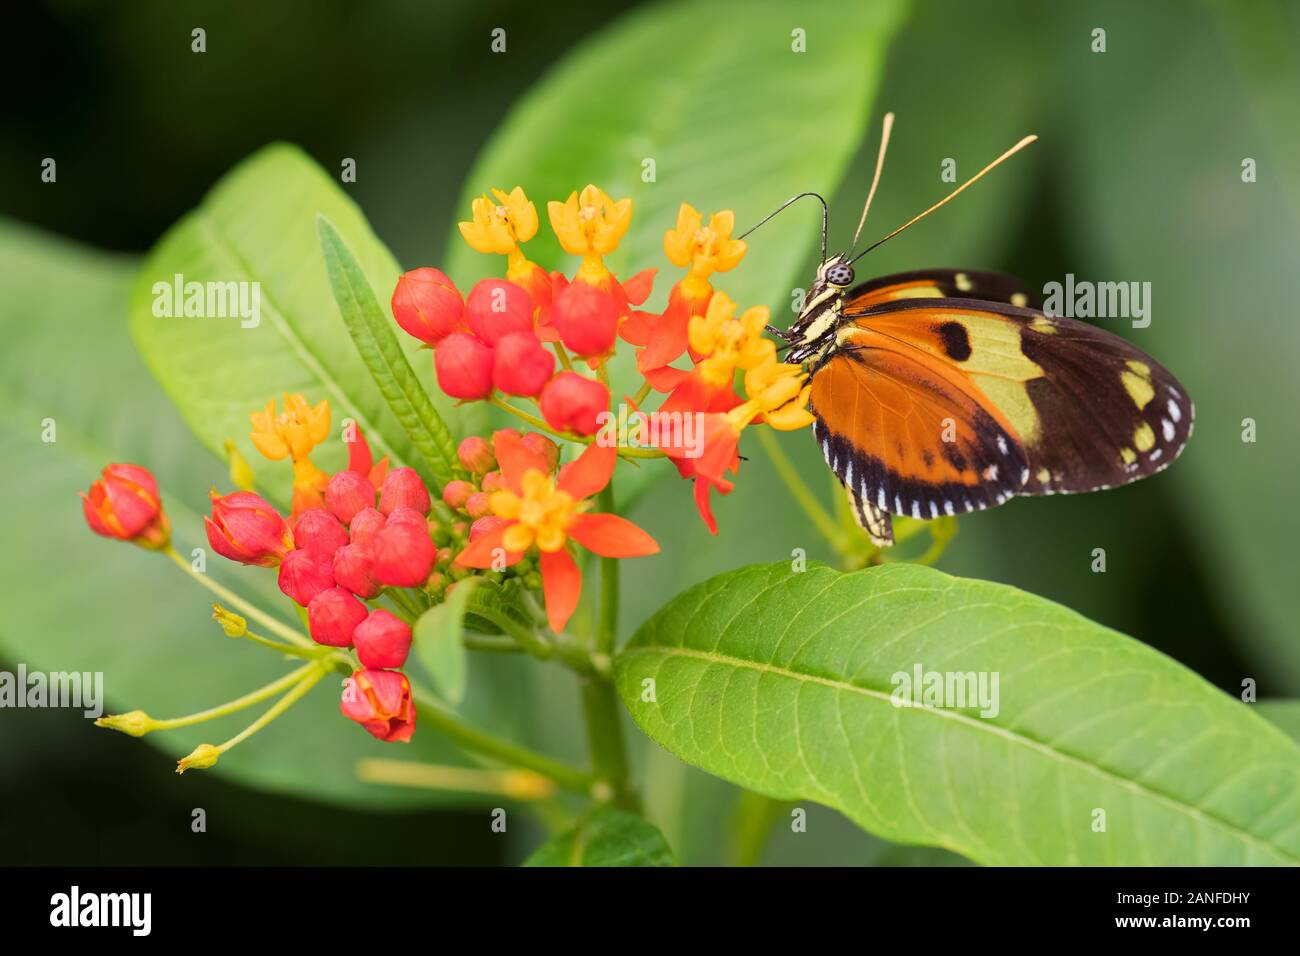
(944, 391)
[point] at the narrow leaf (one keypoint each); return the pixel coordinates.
(376, 342)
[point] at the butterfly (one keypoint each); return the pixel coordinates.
(943, 391)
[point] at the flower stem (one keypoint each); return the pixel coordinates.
(433, 714)
(641, 394)
(236, 601)
(800, 491)
(239, 703)
(563, 355)
(514, 783)
(600, 705)
(306, 683)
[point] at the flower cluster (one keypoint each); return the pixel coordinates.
(364, 552)
(492, 345)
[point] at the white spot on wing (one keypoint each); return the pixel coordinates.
(1167, 428)
(1174, 411)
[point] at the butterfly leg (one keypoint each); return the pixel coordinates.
(876, 523)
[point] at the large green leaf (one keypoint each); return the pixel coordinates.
(782, 682)
(74, 601)
(606, 838)
(259, 225)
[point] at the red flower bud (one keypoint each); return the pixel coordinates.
(404, 489)
(428, 305)
(409, 516)
(305, 574)
(347, 494)
(477, 505)
(456, 492)
(365, 524)
(354, 569)
(403, 552)
(475, 453)
(493, 481)
(382, 640)
(538, 444)
(318, 530)
(521, 365)
(245, 528)
(124, 504)
(572, 403)
(463, 364)
(333, 615)
(485, 526)
(380, 701)
(496, 308)
(586, 318)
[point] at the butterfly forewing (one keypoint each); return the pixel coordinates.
(931, 403)
(940, 284)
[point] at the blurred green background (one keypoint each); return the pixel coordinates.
(1137, 177)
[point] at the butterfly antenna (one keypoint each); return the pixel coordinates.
(875, 180)
(785, 205)
(952, 195)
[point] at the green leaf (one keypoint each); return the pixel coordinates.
(437, 637)
(372, 333)
(606, 838)
(782, 682)
(78, 602)
(1283, 713)
(728, 125)
(259, 225)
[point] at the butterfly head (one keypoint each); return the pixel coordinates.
(836, 272)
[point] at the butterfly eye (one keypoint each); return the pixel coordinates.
(840, 274)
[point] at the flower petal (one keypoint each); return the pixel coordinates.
(561, 586)
(611, 536)
(479, 552)
(590, 473)
(516, 460)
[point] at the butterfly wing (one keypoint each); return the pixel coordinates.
(941, 284)
(965, 403)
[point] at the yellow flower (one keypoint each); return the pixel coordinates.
(499, 227)
(590, 224)
(780, 392)
(542, 515)
(729, 342)
(705, 249)
(294, 432)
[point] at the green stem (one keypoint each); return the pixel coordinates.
(600, 705)
(800, 491)
(492, 644)
(641, 394)
(563, 355)
(239, 703)
(236, 601)
(433, 714)
(293, 650)
(279, 707)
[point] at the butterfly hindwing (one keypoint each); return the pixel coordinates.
(1083, 408)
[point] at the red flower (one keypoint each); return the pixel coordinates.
(573, 403)
(403, 552)
(382, 640)
(475, 455)
(245, 528)
(521, 365)
(305, 574)
(354, 569)
(124, 504)
(361, 460)
(428, 305)
(403, 489)
(380, 701)
(347, 494)
(496, 308)
(318, 530)
(463, 364)
(333, 615)
(540, 510)
(365, 524)
(586, 319)
(456, 492)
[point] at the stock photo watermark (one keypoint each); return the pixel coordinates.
(83, 690)
(947, 690)
(191, 299)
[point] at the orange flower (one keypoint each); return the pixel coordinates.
(547, 512)
(590, 224)
(293, 434)
(500, 228)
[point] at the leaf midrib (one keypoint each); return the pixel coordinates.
(1019, 739)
